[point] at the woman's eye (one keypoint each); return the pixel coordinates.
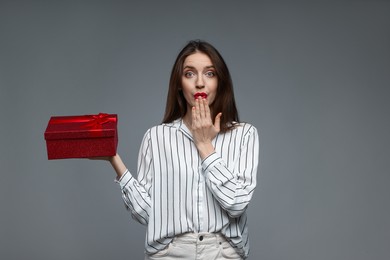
(210, 74)
(189, 74)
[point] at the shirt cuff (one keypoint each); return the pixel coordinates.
(124, 179)
(210, 161)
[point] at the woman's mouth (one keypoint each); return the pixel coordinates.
(200, 95)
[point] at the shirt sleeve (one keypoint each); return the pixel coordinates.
(135, 192)
(234, 189)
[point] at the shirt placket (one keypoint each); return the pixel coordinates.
(200, 204)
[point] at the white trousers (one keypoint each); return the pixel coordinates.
(197, 246)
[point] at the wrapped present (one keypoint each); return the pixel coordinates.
(83, 136)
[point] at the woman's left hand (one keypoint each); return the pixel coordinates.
(202, 127)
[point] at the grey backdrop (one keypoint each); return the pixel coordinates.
(312, 76)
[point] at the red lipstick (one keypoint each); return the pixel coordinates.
(200, 95)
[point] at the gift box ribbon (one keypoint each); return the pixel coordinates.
(98, 120)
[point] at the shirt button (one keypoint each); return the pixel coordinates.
(201, 238)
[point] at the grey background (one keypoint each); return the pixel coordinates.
(312, 76)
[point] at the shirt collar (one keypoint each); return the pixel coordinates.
(179, 124)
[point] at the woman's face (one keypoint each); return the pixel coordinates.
(199, 79)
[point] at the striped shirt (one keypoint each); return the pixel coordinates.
(176, 192)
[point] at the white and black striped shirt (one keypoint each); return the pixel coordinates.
(176, 192)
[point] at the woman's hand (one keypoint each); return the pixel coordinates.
(115, 161)
(202, 128)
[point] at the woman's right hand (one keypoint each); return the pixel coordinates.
(116, 162)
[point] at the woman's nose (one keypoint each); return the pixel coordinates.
(199, 83)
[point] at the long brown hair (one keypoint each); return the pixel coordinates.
(176, 106)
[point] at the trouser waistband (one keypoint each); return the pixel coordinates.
(200, 238)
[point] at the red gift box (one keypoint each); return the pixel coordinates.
(81, 136)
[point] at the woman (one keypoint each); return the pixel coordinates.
(197, 170)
